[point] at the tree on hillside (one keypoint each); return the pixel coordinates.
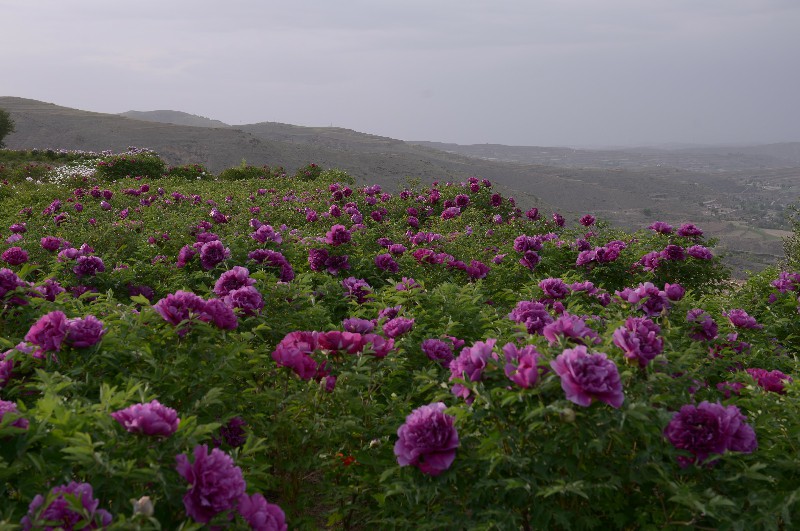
(6, 125)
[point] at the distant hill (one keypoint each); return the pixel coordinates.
(628, 188)
(174, 117)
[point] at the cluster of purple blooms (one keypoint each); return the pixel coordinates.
(709, 429)
(54, 329)
(217, 486)
(650, 300)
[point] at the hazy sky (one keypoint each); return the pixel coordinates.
(528, 72)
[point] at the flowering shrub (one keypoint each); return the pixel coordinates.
(338, 355)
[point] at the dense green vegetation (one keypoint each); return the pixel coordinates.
(308, 329)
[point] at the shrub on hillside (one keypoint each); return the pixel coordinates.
(135, 162)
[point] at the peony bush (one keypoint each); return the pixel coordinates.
(270, 350)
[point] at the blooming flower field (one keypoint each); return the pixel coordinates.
(267, 351)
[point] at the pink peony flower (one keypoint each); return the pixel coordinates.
(151, 419)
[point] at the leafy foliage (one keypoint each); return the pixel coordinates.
(322, 444)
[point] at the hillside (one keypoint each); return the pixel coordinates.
(625, 195)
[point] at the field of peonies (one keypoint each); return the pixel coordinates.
(265, 350)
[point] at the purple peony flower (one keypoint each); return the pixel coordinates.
(260, 514)
(221, 314)
(248, 299)
(85, 332)
(9, 281)
(530, 259)
(639, 339)
(554, 288)
(773, 381)
(294, 351)
(88, 266)
(358, 289)
(212, 253)
(705, 328)
(674, 292)
(50, 243)
(377, 345)
(317, 259)
(740, 319)
(235, 278)
(572, 327)
(397, 326)
(709, 429)
(151, 419)
(661, 227)
(385, 262)
(438, 350)
(700, 252)
(186, 253)
(216, 483)
(181, 306)
(337, 235)
(428, 440)
(469, 365)
(587, 377)
(689, 230)
(10, 407)
(533, 315)
(15, 256)
(522, 364)
(59, 514)
(359, 326)
(340, 342)
(233, 433)
(587, 220)
(48, 331)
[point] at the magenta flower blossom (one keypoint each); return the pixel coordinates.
(773, 381)
(88, 266)
(397, 326)
(533, 315)
(377, 345)
(740, 319)
(358, 289)
(7, 407)
(522, 364)
(216, 483)
(50, 243)
(554, 288)
(587, 220)
(530, 259)
(9, 281)
(689, 230)
(661, 227)
(477, 270)
(181, 306)
(709, 429)
(337, 235)
(58, 514)
(469, 365)
(212, 253)
(588, 377)
(428, 440)
(705, 328)
(294, 351)
(385, 262)
(674, 292)
(673, 252)
(235, 278)
(344, 342)
(571, 327)
(15, 256)
(48, 331)
(359, 326)
(265, 233)
(260, 514)
(221, 314)
(639, 339)
(84, 332)
(699, 252)
(151, 419)
(438, 350)
(247, 299)
(274, 259)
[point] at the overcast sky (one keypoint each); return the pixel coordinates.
(525, 72)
